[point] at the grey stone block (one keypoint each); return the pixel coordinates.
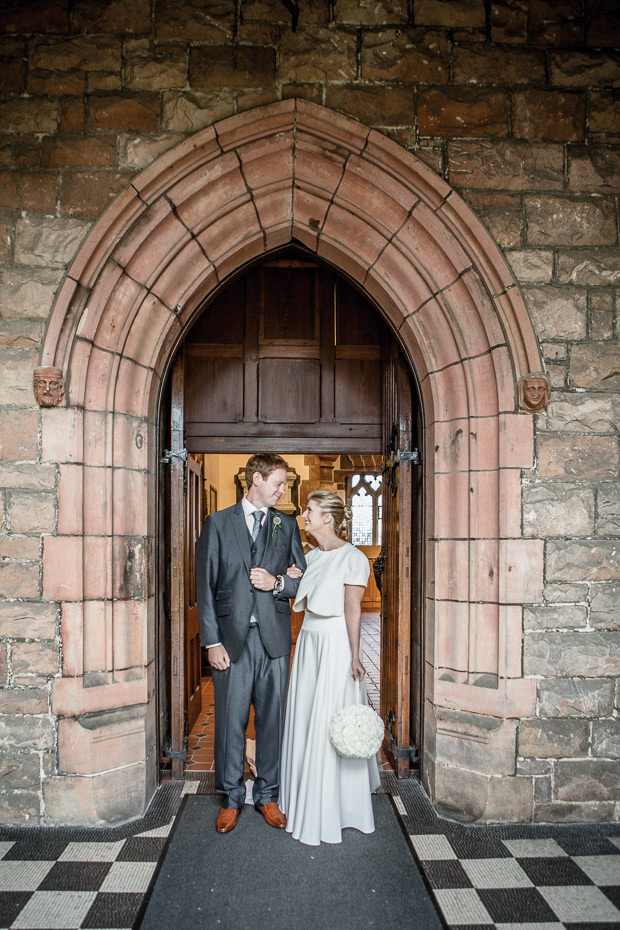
(565, 593)
(558, 509)
(606, 738)
(608, 509)
(568, 697)
(551, 738)
(20, 770)
(605, 606)
(554, 618)
(587, 780)
(583, 560)
(592, 655)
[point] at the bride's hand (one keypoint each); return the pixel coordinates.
(357, 670)
(293, 572)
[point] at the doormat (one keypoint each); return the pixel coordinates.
(258, 877)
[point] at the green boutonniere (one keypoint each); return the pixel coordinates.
(277, 525)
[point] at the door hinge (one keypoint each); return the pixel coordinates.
(409, 455)
(175, 753)
(399, 752)
(168, 456)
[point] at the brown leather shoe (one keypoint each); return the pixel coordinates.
(273, 815)
(227, 819)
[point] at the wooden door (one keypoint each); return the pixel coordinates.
(185, 483)
(193, 514)
(175, 458)
(397, 561)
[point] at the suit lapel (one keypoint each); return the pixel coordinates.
(241, 532)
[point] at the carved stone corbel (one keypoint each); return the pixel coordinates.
(48, 384)
(534, 392)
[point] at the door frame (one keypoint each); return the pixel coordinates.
(177, 465)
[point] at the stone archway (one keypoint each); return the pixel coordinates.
(289, 171)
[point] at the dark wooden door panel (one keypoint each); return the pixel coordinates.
(304, 350)
(357, 397)
(214, 389)
(289, 390)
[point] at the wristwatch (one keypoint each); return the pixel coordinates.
(278, 586)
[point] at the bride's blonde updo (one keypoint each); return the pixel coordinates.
(332, 503)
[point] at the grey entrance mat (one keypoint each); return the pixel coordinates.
(257, 877)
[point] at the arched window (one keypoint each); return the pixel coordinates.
(365, 500)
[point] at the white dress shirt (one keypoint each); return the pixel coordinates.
(248, 510)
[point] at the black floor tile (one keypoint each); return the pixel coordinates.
(142, 849)
(113, 909)
(33, 848)
(587, 844)
(587, 926)
(446, 873)
(11, 903)
(75, 876)
(478, 846)
(560, 871)
(613, 893)
(516, 905)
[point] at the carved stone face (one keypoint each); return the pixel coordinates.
(49, 386)
(535, 392)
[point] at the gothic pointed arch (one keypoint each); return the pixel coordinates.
(295, 171)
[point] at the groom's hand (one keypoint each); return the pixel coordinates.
(262, 579)
(218, 658)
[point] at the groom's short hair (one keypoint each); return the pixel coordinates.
(263, 463)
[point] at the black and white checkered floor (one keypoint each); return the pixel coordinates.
(521, 877)
(512, 878)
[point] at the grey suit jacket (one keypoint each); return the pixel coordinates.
(226, 598)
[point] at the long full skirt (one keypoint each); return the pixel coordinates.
(320, 792)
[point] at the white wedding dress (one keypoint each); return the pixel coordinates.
(321, 793)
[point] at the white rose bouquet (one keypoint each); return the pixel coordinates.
(356, 731)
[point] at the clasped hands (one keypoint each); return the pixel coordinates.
(263, 580)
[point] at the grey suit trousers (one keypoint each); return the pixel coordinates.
(254, 678)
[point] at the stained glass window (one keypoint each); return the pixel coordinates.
(365, 500)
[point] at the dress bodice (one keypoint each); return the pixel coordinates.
(321, 589)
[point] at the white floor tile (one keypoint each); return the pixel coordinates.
(496, 873)
(55, 910)
(602, 870)
(526, 849)
(23, 876)
(129, 876)
(189, 787)
(581, 903)
(91, 852)
(462, 906)
(400, 807)
(541, 926)
(432, 846)
(159, 831)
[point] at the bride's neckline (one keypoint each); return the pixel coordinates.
(333, 548)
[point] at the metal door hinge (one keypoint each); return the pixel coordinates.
(399, 752)
(409, 455)
(168, 456)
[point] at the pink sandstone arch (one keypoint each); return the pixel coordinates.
(218, 200)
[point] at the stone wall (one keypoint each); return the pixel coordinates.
(516, 107)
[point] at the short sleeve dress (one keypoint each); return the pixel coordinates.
(320, 792)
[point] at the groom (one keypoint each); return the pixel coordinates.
(245, 621)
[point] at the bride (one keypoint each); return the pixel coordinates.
(321, 793)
